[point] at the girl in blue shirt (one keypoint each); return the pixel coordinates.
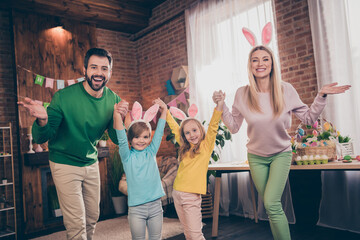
(142, 174)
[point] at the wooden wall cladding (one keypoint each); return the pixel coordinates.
(51, 52)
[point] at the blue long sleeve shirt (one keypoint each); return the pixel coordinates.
(142, 173)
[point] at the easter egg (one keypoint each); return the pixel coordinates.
(315, 133)
(347, 157)
(327, 126)
(358, 157)
(315, 125)
(301, 132)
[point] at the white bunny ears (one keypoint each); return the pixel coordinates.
(176, 112)
(265, 36)
(137, 111)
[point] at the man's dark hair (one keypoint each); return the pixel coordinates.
(98, 52)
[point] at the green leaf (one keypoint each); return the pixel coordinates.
(214, 156)
(222, 143)
(219, 137)
(170, 137)
(227, 135)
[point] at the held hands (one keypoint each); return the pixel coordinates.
(122, 107)
(35, 110)
(163, 107)
(333, 89)
(219, 98)
(120, 110)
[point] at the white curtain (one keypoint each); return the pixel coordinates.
(217, 57)
(336, 40)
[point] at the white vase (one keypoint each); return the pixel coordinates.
(102, 143)
(120, 204)
(38, 148)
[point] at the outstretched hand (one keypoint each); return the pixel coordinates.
(333, 89)
(34, 109)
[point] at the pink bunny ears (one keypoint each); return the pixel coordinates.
(192, 111)
(266, 35)
(137, 110)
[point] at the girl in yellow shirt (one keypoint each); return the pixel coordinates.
(194, 155)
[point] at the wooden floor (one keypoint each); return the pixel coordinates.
(234, 227)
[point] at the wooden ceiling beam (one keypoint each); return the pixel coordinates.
(120, 15)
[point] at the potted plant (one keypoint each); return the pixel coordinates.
(116, 172)
(103, 139)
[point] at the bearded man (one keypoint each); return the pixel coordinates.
(73, 123)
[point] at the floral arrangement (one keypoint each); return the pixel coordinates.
(318, 136)
(315, 140)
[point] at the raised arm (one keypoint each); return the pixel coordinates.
(233, 120)
(122, 108)
(120, 133)
(218, 98)
(159, 132)
(119, 110)
(174, 126)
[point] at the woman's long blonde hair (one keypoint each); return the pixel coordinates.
(185, 145)
(276, 92)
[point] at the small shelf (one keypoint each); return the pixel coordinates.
(8, 212)
(6, 184)
(5, 233)
(6, 209)
(34, 159)
(42, 158)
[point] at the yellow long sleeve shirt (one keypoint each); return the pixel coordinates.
(191, 175)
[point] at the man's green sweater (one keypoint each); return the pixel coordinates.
(76, 122)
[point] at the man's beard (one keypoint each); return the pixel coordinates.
(92, 78)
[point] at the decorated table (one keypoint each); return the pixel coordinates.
(230, 167)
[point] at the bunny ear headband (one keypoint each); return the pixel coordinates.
(136, 113)
(265, 36)
(192, 111)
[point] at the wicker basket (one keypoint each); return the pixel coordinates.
(329, 151)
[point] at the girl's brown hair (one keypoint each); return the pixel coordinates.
(276, 93)
(136, 130)
(185, 145)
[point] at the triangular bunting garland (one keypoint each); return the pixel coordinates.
(39, 80)
(49, 83)
(60, 84)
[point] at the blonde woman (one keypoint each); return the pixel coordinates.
(267, 104)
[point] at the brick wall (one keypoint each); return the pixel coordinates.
(8, 106)
(160, 48)
(124, 81)
(296, 49)
(144, 61)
